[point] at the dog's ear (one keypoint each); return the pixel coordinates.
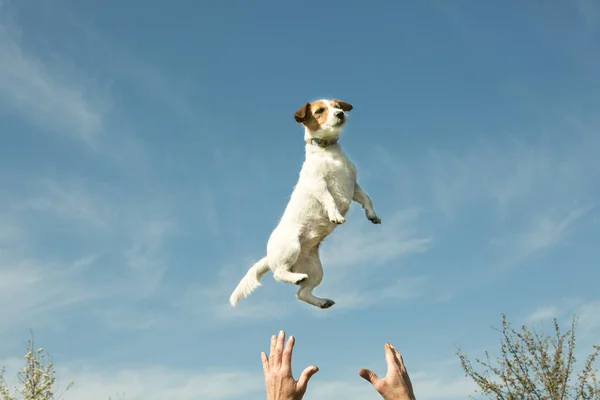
(302, 113)
(344, 106)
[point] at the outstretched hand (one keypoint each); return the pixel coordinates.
(396, 385)
(277, 368)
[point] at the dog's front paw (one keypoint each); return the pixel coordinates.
(337, 219)
(374, 219)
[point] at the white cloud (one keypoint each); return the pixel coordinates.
(542, 313)
(546, 232)
(338, 389)
(428, 386)
(152, 382)
(159, 382)
(163, 383)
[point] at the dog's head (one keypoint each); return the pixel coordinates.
(323, 118)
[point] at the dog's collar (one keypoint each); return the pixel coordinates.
(321, 142)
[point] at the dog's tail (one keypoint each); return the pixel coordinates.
(250, 281)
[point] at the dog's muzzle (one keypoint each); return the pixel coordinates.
(341, 118)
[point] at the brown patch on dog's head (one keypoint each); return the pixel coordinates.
(342, 105)
(312, 115)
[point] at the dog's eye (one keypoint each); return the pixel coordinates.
(320, 111)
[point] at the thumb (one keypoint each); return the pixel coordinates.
(305, 376)
(368, 375)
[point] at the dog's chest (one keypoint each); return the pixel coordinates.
(340, 175)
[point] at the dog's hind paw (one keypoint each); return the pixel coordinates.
(327, 303)
(301, 279)
(375, 219)
(289, 277)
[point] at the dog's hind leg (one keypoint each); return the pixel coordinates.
(305, 294)
(284, 261)
(312, 265)
(289, 277)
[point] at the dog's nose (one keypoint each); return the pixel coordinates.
(339, 114)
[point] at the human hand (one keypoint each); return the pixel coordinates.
(396, 385)
(277, 368)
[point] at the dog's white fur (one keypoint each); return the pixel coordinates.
(326, 187)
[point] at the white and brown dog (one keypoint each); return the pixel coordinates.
(326, 187)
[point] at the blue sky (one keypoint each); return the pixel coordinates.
(148, 149)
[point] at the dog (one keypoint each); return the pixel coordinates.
(325, 189)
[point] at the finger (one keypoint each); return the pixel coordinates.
(398, 358)
(403, 369)
(286, 361)
(409, 383)
(390, 359)
(369, 375)
(278, 350)
(406, 377)
(272, 350)
(265, 363)
(305, 377)
(401, 361)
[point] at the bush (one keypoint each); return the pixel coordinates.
(37, 378)
(535, 366)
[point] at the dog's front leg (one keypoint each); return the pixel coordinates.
(324, 196)
(364, 200)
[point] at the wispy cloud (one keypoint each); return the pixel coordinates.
(526, 196)
(586, 311)
(43, 289)
(58, 96)
(546, 232)
(212, 302)
(68, 201)
(348, 295)
(106, 233)
(509, 176)
(354, 245)
(57, 102)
